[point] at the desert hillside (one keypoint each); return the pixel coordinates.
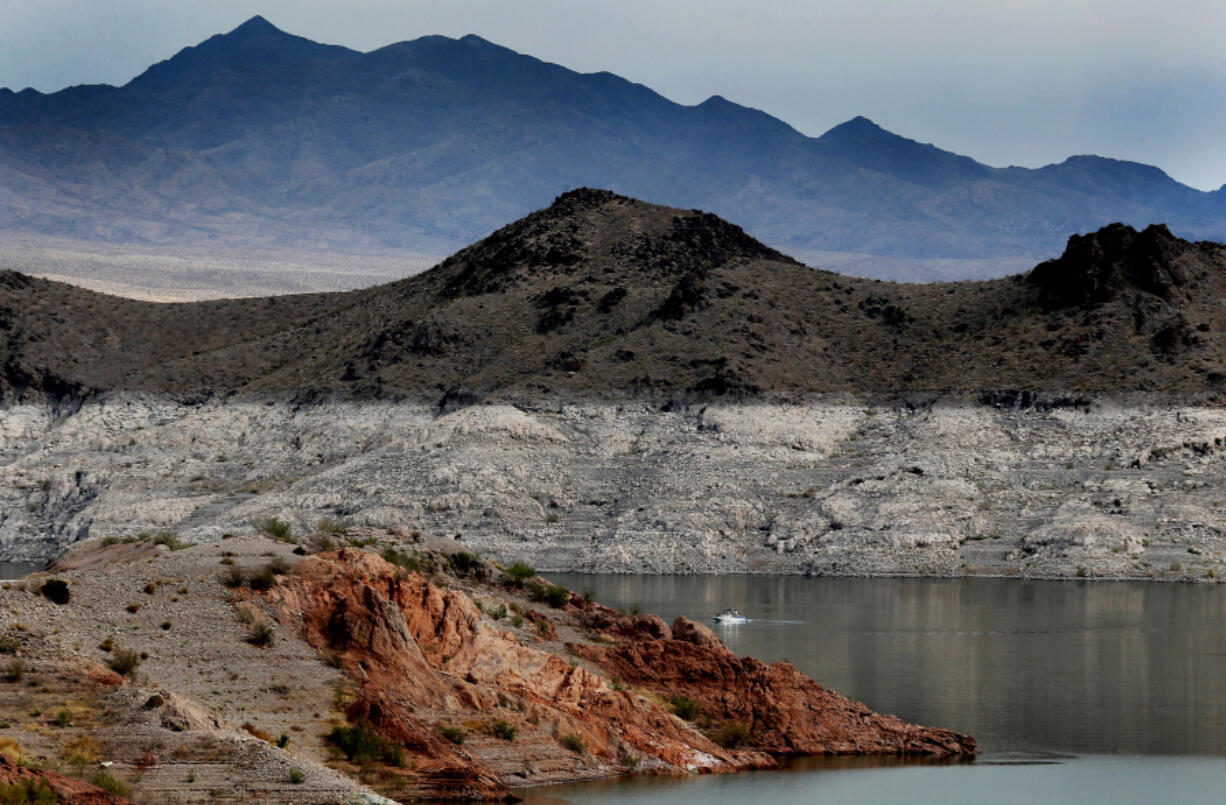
(599, 294)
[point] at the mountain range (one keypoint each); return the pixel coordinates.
(258, 138)
(599, 294)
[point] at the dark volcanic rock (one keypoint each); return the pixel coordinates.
(1098, 267)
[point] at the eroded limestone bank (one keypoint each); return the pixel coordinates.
(1121, 487)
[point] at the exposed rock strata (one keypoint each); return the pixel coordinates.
(425, 658)
(1000, 484)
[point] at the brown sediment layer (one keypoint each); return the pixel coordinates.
(424, 660)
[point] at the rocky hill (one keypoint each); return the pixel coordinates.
(601, 295)
(611, 385)
(260, 138)
(254, 671)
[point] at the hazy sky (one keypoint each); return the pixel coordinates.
(1024, 83)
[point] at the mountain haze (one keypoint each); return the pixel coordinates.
(265, 139)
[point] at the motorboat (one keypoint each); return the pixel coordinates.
(730, 616)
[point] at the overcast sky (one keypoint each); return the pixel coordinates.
(1023, 83)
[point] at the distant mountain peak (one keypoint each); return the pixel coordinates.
(858, 128)
(256, 25)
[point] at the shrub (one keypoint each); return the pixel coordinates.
(499, 612)
(402, 559)
(232, 577)
(63, 718)
(453, 734)
(261, 635)
(732, 736)
(279, 566)
(154, 702)
(504, 730)
(327, 525)
(463, 562)
(107, 645)
(15, 670)
(361, 744)
(517, 620)
(542, 628)
(520, 572)
(133, 608)
(296, 777)
(282, 741)
(299, 551)
(615, 682)
(685, 707)
(245, 615)
(572, 742)
(589, 594)
(109, 783)
(276, 528)
(171, 540)
(124, 662)
(165, 626)
(8, 644)
(556, 596)
(263, 580)
(56, 591)
(27, 792)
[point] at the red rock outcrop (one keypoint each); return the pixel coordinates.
(425, 659)
(783, 711)
(68, 790)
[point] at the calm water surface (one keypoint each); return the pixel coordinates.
(17, 570)
(1077, 691)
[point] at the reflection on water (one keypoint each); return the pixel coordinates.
(1027, 667)
(1095, 779)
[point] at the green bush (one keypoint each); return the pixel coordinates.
(171, 540)
(274, 527)
(27, 792)
(685, 707)
(517, 620)
(263, 580)
(109, 783)
(453, 734)
(296, 777)
(504, 730)
(279, 566)
(124, 662)
(556, 596)
(327, 525)
(732, 736)
(520, 572)
(572, 742)
(261, 635)
(15, 670)
(402, 559)
(463, 562)
(56, 591)
(363, 745)
(233, 577)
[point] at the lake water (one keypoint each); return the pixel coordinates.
(16, 570)
(1076, 691)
